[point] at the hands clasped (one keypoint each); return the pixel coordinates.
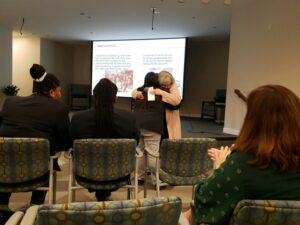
(219, 155)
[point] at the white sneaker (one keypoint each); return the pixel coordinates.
(161, 183)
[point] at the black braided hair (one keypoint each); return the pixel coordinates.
(104, 98)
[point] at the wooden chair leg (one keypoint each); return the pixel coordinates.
(157, 177)
(54, 187)
(145, 175)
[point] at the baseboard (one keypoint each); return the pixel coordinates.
(230, 131)
(190, 115)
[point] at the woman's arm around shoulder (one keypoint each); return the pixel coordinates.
(172, 98)
(137, 94)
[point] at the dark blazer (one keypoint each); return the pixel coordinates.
(150, 114)
(36, 116)
(83, 124)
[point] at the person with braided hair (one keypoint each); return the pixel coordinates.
(103, 120)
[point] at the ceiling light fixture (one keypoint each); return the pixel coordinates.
(205, 1)
(154, 11)
(23, 21)
(226, 2)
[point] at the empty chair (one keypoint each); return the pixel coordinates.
(150, 211)
(183, 162)
(25, 165)
(103, 164)
(266, 212)
(262, 212)
(80, 96)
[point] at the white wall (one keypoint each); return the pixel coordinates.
(26, 51)
(206, 71)
(57, 58)
(264, 49)
(5, 58)
(82, 64)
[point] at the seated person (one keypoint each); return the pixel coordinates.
(103, 120)
(39, 115)
(265, 160)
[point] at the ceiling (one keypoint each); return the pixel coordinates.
(76, 20)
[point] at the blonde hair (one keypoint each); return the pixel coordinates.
(165, 78)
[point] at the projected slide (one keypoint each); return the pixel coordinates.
(127, 62)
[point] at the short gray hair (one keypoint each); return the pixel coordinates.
(165, 78)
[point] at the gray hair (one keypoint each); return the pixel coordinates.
(165, 78)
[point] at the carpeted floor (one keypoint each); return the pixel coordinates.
(196, 127)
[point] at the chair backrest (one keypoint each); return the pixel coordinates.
(163, 210)
(103, 159)
(80, 90)
(266, 212)
(186, 157)
(22, 160)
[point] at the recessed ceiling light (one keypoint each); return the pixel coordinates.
(205, 1)
(227, 2)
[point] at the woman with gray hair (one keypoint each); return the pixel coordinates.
(172, 100)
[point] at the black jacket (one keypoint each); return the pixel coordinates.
(83, 124)
(150, 114)
(36, 116)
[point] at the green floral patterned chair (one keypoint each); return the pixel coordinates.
(103, 164)
(261, 212)
(24, 165)
(183, 162)
(266, 212)
(148, 211)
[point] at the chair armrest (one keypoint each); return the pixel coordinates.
(52, 157)
(56, 156)
(15, 218)
(30, 215)
(68, 154)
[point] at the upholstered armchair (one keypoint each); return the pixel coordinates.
(262, 212)
(103, 164)
(25, 165)
(266, 212)
(183, 162)
(148, 211)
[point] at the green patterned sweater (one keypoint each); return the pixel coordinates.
(235, 180)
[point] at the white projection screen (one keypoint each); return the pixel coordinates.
(126, 62)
